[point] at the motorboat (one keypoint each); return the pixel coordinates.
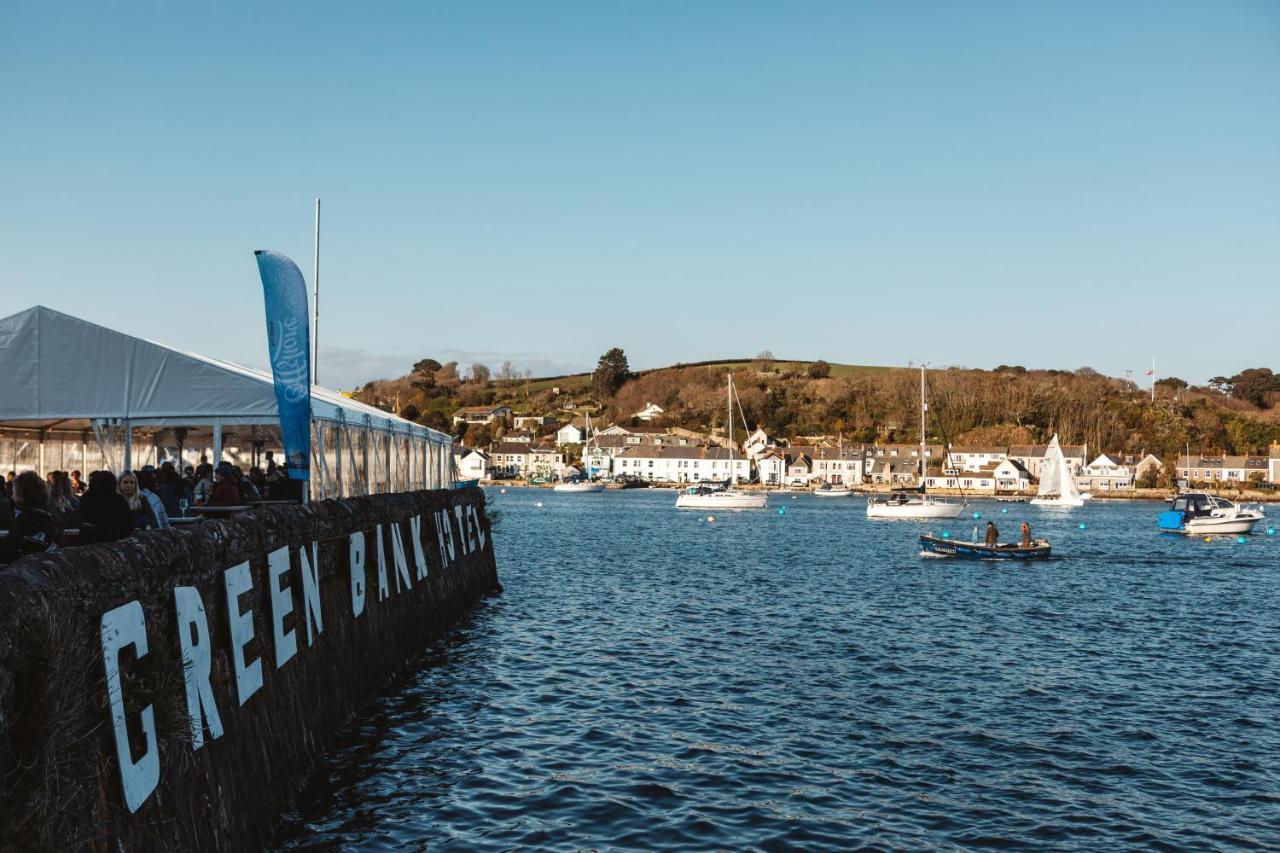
(829, 490)
(1057, 484)
(701, 497)
(918, 505)
(944, 546)
(1203, 514)
(727, 497)
(577, 486)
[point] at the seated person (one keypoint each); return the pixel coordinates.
(33, 529)
(104, 514)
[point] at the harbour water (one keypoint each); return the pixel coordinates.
(652, 680)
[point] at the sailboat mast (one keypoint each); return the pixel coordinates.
(733, 474)
(923, 406)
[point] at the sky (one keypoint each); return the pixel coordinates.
(1052, 184)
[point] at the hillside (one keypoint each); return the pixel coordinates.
(1009, 405)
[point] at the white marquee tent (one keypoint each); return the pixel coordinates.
(77, 395)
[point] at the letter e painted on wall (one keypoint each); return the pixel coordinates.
(248, 675)
(121, 628)
(286, 642)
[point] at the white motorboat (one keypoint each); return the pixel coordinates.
(1204, 515)
(920, 505)
(832, 491)
(721, 499)
(704, 497)
(584, 484)
(1057, 484)
(576, 486)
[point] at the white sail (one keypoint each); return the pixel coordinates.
(1051, 471)
(1057, 483)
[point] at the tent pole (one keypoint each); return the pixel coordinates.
(217, 442)
(128, 445)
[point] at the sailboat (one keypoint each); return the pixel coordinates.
(702, 497)
(922, 505)
(835, 490)
(1057, 484)
(585, 484)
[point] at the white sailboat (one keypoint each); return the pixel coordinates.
(585, 484)
(923, 505)
(701, 497)
(1057, 483)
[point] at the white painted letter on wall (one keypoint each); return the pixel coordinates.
(419, 553)
(193, 637)
(248, 676)
(384, 587)
(310, 562)
(121, 628)
(397, 557)
(356, 549)
(286, 642)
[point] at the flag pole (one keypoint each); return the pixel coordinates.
(1153, 379)
(315, 303)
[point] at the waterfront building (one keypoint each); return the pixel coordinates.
(1115, 472)
(1224, 469)
(472, 463)
(675, 464)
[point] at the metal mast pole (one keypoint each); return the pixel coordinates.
(924, 469)
(315, 303)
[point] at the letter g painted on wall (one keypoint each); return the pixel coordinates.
(121, 628)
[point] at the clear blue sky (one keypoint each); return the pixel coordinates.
(1049, 184)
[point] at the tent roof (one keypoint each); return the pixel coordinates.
(56, 368)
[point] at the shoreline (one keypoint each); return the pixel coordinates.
(1157, 495)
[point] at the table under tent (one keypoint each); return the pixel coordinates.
(77, 396)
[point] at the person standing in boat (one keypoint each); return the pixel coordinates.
(993, 534)
(1026, 535)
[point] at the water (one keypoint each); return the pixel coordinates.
(651, 680)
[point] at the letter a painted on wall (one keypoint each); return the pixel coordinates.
(289, 346)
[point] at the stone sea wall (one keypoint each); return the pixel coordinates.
(176, 689)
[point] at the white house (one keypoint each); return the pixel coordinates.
(835, 466)
(481, 415)
(976, 458)
(977, 482)
(675, 464)
(1011, 476)
(756, 444)
(1107, 473)
(520, 459)
(472, 463)
(649, 412)
(771, 466)
(531, 422)
(570, 433)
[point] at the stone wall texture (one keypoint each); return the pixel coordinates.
(60, 777)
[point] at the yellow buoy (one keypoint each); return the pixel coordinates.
(711, 519)
(1208, 538)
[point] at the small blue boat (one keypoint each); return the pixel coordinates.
(465, 484)
(937, 546)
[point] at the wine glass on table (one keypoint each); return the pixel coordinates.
(182, 506)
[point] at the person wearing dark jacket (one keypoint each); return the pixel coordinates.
(6, 511)
(225, 490)
(33, 529)
(104, 514)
